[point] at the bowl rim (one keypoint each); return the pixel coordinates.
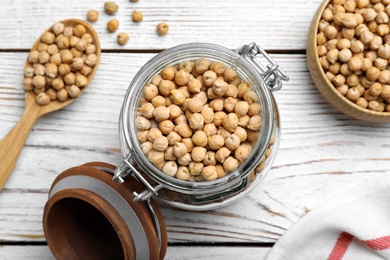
(331, 87)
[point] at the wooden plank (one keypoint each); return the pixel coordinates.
(322, 152)
(173, 253)
(272, 24)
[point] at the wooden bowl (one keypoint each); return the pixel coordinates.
(326, 87)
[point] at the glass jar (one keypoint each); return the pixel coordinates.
(89, 216)
(204, 195)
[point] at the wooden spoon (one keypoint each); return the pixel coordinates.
(13, 142)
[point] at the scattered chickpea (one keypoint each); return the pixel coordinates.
(162, 29)
(137, 16)
(92, 15)
(110, 8)
(112, 25)
(122, 38)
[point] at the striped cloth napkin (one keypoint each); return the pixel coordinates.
(352, 225)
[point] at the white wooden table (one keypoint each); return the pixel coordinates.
(322, 151)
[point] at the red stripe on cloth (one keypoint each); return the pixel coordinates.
(380, 243)
(341, 246)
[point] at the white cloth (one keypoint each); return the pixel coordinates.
(352, 225)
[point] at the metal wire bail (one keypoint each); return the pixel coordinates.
(272, 74)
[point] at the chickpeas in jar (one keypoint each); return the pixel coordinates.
(183, 103)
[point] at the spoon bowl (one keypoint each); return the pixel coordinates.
(13, 142)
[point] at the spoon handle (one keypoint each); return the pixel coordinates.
(13, 142)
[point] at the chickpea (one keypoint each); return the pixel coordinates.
(353, 94)
(90, 49)
(242, 108)
(220, 170)
(112, 25)
(81, 80)
(219, 117)
(153, 134)
(219, 87)
(230, 164)
(168, 73)
(160, 143)
(252, 136)
(173, 138)
(42, 99)
(184, 160)
(216, 104)
(165, 87)
(208, 115)
(27, 84)
(241, 133)
(201, 65)
(137, 16)
(195, 168)
(198, 154)
(162, 29)
(230, 122)
(242, 152)
(184, 130)
(202, 97)
(215, 142)
(68, 31)
(169, 155)
(232, 91)
(372, 73)
(223, 132)
(110, 7)
(183, 173)
(161, 113)
(250, 97)
(229, 104)
(186, 65)
(146, 147)
(182, 119)
(147, 110)
(166, 126)
(210, 129)
(229, 75)
(142, 123)
(232, 142)
(182, 77)
(210, 173)
(73, 91)
(209, 77)
(375, 89)
(177, 97)
(156, 157)
(194, 86)
(195, 105)
(179, 149)
(39, 81)
(62, 95)
(92, 16)
(188, 143)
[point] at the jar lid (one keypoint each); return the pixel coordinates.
(89, 216)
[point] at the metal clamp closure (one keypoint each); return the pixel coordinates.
(272, 74)
(124, 169)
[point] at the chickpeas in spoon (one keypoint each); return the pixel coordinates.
(59, 67)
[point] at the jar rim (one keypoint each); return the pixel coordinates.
(128, 130)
